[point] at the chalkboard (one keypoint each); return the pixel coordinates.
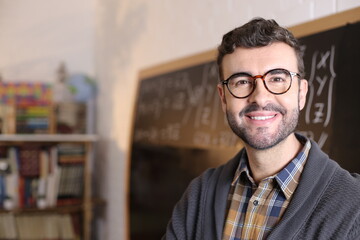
(182, 108)
(180, 129)
(332, 113)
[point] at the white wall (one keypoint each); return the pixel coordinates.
(135, 34)
(114, 39)
(37, 35)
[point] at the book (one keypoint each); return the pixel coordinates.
(41, 199)
(29, 194)
(11, 180)
(7, 119)
(52, 186)
(71, 181)
(37, 226)
(33, 118)
(8, 226)
(25, 107)
(2, 190)
(44, 226)
(41, 176)
(66, 227)
(29, 156)
(71, 153)
(25, 92)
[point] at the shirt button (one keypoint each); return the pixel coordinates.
(256, 202)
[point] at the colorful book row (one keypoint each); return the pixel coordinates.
(38, 176)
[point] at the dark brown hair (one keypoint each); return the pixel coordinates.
(258, 33)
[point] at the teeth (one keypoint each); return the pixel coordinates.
(262, 117)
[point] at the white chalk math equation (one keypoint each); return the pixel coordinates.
(183, 106)
(318, 109)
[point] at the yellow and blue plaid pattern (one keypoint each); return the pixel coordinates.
(254, 211)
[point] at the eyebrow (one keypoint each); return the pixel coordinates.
(247, 73)
(250, 74)
(239, 73)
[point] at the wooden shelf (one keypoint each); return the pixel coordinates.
(48, 138)
(85, 207)
(58, 209)
(70, 208)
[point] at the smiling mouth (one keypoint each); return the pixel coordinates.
(262, 118)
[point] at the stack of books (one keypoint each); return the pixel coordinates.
(31, 178)
(8, 226)
(71, 159)
(26, 108)
(71, 153)
(33, 118)
(37, 176)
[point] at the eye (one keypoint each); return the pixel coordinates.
(277, 76)
(277, 79)
(241, 81)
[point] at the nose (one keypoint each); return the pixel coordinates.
(260, 95)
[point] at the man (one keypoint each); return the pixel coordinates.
(281, 185)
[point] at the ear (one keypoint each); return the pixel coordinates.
(303, 89)
(221, 92)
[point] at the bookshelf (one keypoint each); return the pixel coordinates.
(84, 206)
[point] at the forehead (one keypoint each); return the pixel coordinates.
(260, 60)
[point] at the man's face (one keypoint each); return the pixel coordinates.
(263, 119)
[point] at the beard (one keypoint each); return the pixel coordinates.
(261, 138)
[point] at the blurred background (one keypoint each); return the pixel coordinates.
(111, 41)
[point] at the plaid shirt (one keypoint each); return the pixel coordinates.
(254, 211)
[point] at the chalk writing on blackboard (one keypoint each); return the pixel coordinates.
(183, 108)
(318, 109)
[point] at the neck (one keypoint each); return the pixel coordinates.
(266, 163)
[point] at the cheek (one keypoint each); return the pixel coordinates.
(292, 99)
(229, 103)
(234, 108)
(289, 102)
(234, 105)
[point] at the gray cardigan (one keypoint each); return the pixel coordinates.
(326, 204)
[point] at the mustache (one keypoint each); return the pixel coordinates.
(269, 107)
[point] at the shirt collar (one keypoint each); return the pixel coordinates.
(288, 178)
(243, 168)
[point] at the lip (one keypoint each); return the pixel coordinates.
(262, 118)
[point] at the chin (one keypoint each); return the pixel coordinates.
(261, 138)
(263, 143)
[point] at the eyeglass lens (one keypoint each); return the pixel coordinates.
(276, 81)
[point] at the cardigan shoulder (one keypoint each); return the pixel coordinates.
(336, 213)
(325, 204)
(190, 213)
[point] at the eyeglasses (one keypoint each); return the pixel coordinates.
(277, 81)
